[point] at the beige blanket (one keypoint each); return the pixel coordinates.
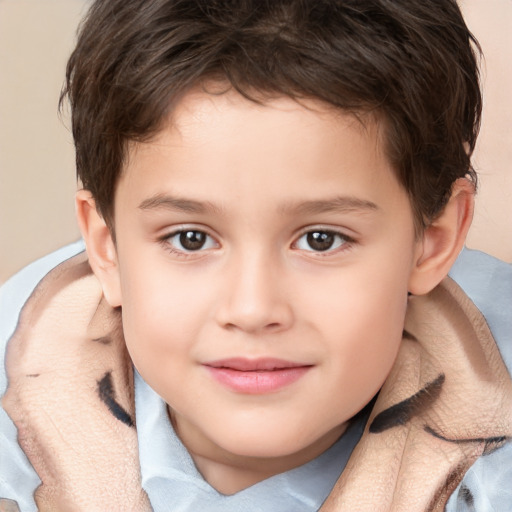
(447, 400)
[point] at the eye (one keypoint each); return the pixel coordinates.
(321, 241)
(190, 240)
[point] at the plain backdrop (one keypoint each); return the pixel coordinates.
(37, 172)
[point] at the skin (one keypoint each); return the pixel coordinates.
(256, 179)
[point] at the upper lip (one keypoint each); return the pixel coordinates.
(243, 364)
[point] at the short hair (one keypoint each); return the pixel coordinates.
(413, 63)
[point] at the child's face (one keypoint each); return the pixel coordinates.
(264, 256)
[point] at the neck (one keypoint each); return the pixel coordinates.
(228, 472)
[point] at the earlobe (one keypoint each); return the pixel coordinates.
(443, 239)
(100, 246)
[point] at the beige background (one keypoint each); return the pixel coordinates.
(37, 179)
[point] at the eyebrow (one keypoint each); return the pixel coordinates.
(340, 204)
(167, 202)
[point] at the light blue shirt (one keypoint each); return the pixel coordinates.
(169, 475)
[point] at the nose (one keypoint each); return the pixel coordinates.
(256, 299)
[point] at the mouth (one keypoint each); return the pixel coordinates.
(256, 376)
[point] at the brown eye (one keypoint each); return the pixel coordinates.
(189, 240)
(192, 240)
(321, 241)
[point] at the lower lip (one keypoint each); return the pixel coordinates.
(257, 382)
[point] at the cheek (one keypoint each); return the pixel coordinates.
(363, 329)
(363, 349)
(366, 301)
(372, 331)
(162, 315)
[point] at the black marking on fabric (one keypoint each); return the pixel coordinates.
(32, 375)
(487, 440)
(408, 336)
(467, 496)
(107, 396)
(104, 340)
(402, 412)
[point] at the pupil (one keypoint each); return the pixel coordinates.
(192, 240)
(320, 240)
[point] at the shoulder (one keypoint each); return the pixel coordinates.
(18, 479)
(488, 283)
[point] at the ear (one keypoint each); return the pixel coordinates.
(100, 246)
(443, 239)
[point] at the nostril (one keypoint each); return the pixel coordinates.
(254, 314)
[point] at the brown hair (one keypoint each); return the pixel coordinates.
(412, 62)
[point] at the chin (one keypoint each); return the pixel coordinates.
(264, 444)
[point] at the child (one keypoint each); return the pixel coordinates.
(273, 194)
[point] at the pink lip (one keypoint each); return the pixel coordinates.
(256, 376)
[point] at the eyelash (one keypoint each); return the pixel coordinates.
(345, 242)
(166, 241)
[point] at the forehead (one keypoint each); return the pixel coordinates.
(280, 149)
(205, 104)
